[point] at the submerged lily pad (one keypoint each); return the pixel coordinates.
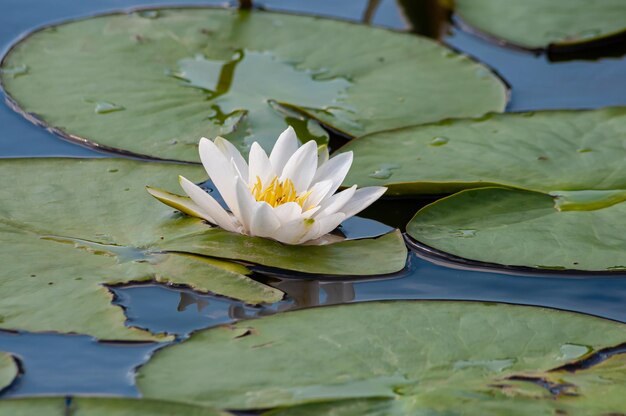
(9, 370)
(85, 223)
(153, 86)
(379, 358)
(539, 23)
(543, 151)
(519, 228)
(100, 406)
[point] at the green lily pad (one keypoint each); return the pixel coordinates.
(101, 406)
(414, 357)
(9, 370)
(519, 228)
(85, 223)
(546, 151)
(539, 23)
(154, 86)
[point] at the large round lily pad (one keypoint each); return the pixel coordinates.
(100, 406)
(542, 151)
(519, 228)
(415, 358)
(153, 82)
(69, 226)
(539, 23)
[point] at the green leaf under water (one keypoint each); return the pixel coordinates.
(520, 228)
(543, 151)
(101, 406)
(155, 85)
(85, 223)
(385, 358)
(539, 23)
(9, 370)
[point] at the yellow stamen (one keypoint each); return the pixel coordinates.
(277, 193)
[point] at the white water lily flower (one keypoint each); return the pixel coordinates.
(289, 196)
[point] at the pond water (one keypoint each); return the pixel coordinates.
(67, 364)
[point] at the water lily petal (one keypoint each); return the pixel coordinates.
(285, 147)
(319, 191)
(335, 170)
(247, 205)
(231, 153)
(182, 203)
(208, 204)
(322, 155)
(288, 212)
(260, 166)
(336, 202)
(362, 199)
(220, 171)
(323, 226)
(293, 231)
(301, 167)
(265, 222)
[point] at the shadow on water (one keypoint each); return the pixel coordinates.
(73, 364)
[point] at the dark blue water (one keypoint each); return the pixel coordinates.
(71, 364)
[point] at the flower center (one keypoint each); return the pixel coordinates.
(278, 193)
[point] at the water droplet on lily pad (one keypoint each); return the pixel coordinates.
(463, 233)
(492, 365)
(384, 171)
(589, 34)
(15, 71)
(572, 351)
(439, 141)
(104, 107)
(149, 14)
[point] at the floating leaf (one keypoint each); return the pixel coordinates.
(381, 358)
(100, 406)
(539, 23)
(85, 223)
(536, 151)
(519, 228)
(186, 73)
(9, 370)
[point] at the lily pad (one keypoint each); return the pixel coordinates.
(421, 357)
(85, 223)
(100, 406)
(518, 228)
(539, 23)
(153, 86)
(9, 370)
(543, 151)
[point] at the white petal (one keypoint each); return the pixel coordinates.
(181, 203)
(335, 170)
(231, 153)
(220, 171)
(301, 167)
(288, 212)
(285, 147)
(209, 205)
(319, 191)
(336, 202)
(259, 166)
(323, 226)
(362, 199)
(247, 205)
(292, 232)
(322, 155)
(264, 223)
